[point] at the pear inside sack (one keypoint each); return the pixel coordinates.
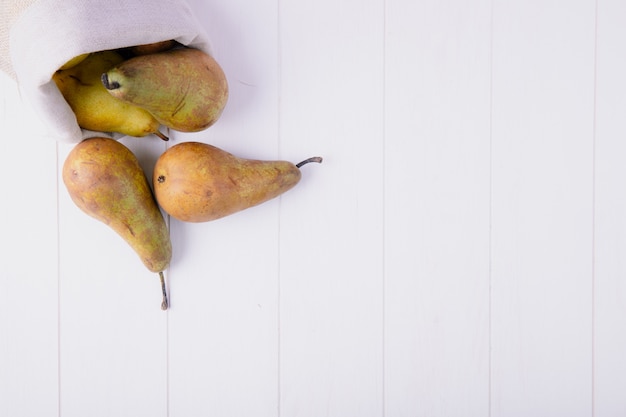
(185, 89)
(191, 99)
(94, 108)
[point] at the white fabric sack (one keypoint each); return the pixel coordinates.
(39, 36)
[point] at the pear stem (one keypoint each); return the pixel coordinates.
(164, 303)
(317, 159)
(161, 135)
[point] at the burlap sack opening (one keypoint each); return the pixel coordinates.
(38, 36)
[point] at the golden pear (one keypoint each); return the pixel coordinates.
(74, 61)
(197, 182)
(104, 179)
(185, 89)
(94, 108)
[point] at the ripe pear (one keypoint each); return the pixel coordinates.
(185, 89)
(197, 182)
(94, 108)
(105, 180)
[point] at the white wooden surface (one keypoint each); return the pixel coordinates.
(460, 252)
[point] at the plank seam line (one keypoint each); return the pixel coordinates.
(593, 210)
(384, 214)
(58, 231)
(490, 225)
(279, 81)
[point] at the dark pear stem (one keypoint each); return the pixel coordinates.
(317, 159)
(164, 303)
(161, 135)
(109, 85)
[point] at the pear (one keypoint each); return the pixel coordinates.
(94, 108)
(149, 48)
(105, 180)
(74, 61)
(185, 89)
(197, 182)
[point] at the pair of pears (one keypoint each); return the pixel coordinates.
(192, 181)
(133, 91)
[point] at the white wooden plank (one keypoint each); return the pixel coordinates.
(113, 346)
(28, 262)
(331, 104)
(223, 327)
(610, 213)
(542, 208)
(437, 208)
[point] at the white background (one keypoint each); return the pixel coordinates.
(461, 251)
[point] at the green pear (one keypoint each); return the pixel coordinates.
(185, 89)
(95, 109)
(197, 182)
(105, 180)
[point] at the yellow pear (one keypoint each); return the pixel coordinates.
(197, 182)
(74, 61)
(94, 108)
(104, 179)
(185, 89)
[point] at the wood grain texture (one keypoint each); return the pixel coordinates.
(609, 320)
(542, 211)
(437, 167)
(29, 322)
